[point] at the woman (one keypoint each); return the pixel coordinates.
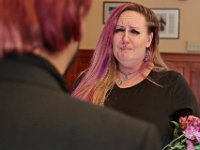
(128, 74)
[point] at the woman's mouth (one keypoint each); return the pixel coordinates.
(125, 49)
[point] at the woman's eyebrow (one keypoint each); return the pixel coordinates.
(131, 27)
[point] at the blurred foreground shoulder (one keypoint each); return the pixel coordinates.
(123, 132)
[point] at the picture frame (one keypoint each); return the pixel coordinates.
(108, 7)
(169, 19)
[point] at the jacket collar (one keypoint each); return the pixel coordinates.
(31, 68)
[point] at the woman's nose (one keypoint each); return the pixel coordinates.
(125, 37)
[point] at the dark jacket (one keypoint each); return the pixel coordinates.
(37, 114)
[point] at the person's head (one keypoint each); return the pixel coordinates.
(130, 26)
(48, 25)
(146, 41)
(142, 25)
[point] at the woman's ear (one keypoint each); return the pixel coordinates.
(149, 40)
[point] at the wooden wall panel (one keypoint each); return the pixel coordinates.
(187, 64)
(195, 82)
(81, 63)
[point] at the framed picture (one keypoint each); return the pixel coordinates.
(108, 7)
(169, 22)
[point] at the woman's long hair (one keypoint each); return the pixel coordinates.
(100, 77)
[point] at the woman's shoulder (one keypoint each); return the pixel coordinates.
(165, 77)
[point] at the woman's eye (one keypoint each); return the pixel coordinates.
(119, 30)
(134, 32)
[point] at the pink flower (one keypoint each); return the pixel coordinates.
(191, 127)
(186, 134)
(190, 145)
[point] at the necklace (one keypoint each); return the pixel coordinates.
(126, 77)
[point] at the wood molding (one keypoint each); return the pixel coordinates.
(181, 57)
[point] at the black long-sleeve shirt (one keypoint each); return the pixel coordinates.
(156, 104)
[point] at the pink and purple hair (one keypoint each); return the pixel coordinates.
(47, 24)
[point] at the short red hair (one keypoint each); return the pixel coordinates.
(46, 24)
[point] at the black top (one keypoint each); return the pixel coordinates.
(156, 104)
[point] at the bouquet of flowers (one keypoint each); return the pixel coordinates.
(186, 134)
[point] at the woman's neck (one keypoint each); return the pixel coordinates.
(129, 70)
(129, 76)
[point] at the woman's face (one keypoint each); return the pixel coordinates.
(131, 39)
